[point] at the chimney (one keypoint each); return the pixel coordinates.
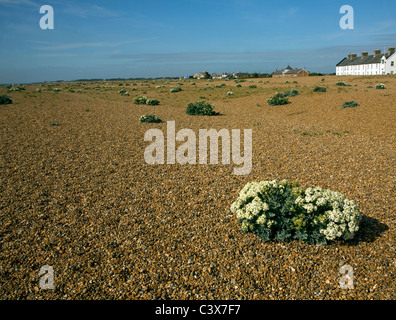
(364, 54)
(391, 50)
(353, 55)
(349, 57)
(377, 53)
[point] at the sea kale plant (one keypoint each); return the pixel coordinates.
(5, 99)
(350, 104)
(283, 211)
(319, 89)
(201, 108)
(144, 100)
(380, 86)
(150, 119)
(278, 100)
(175, 89)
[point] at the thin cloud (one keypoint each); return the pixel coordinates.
(87, 11)
(18, 2)
(79, 45)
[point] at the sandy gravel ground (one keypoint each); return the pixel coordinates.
(78, 195)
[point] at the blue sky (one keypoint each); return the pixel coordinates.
(156, 38)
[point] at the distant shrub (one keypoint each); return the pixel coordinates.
(350, 104)
(278, 100)
(253, 86)
(238, 85)
(140, 100)
(150, 119)
(341, 84)
(144, 100)
(319, 89)
(12, 88)
(380, 86)
(152, 102)
(230, 93)
(292, 93)
(5, 100)
(201, 108)
(57, 90)
(176, 89)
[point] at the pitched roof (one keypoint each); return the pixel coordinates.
(293, 71)
(362, 60)
(288, 70)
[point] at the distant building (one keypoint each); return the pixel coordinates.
(376, 64)
(240, 75)
(202, 75)
(290, 72)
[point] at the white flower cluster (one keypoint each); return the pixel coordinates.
(328, 211)
(340, 215)
(251, 207)
(380, 86)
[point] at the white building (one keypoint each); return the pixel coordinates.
(376, 64)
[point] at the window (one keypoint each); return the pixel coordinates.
(392, 63)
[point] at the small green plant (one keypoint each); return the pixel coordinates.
(152, 102)
(201, 108)
(341, 84)
(238, 85)
(124, 92)
(140, 100)
(253, 86)
(292, 93)
(278, 100)
(319, 89)
(176, 89)
(5, 100)
(380, 86)
(283, 211)
(350, 104)
(144, 100)
(13, 88)
(150, 119)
